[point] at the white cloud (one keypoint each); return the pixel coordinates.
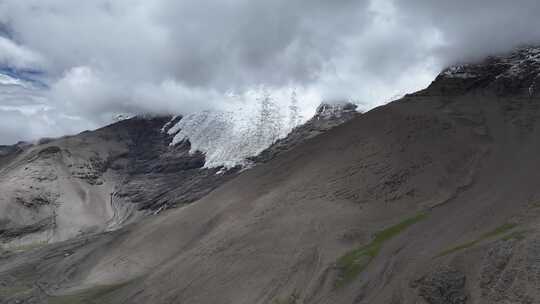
(17, 56)
(101, 57)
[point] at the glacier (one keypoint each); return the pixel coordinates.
(230, 138)
(227, 138)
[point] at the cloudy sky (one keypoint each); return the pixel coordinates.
(67, 65)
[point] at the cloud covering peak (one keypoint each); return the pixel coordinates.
(101, 57)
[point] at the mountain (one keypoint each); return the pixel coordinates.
(97, 181)
(229, 138)
(102, 180)
(327, 116)
(516, 74)
(432, 199)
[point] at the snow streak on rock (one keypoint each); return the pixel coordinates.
(517, 63)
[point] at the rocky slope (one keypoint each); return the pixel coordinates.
(429, 199)
(514, 74)
(96, 181)
(327, 116)
(102, 180)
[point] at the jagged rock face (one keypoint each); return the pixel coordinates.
(443, 286)
(326, 117)
(517, 73)
(160, 175)
(334, 113)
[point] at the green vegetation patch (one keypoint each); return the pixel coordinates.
(292, 299)
(9, 291)
(354, 262)
(516, 235)
(503, 229)
(27, 247)
(534, 205)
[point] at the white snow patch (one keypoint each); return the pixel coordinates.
(122, 116)
(168, 125)
(459, 71)
(518, 62)
(228, 138)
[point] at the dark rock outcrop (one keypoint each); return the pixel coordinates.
(8, 153)
(156, 174)
(443, 286)
(514, 74)
(326, 117)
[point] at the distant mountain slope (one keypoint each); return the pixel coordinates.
(101, 180)
(429, 199)
(96, 181)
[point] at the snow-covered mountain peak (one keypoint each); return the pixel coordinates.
(334, 110)
(514, 73)
(519, 63)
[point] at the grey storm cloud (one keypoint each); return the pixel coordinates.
(199, 43)
(101, 57)
(470, 30)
